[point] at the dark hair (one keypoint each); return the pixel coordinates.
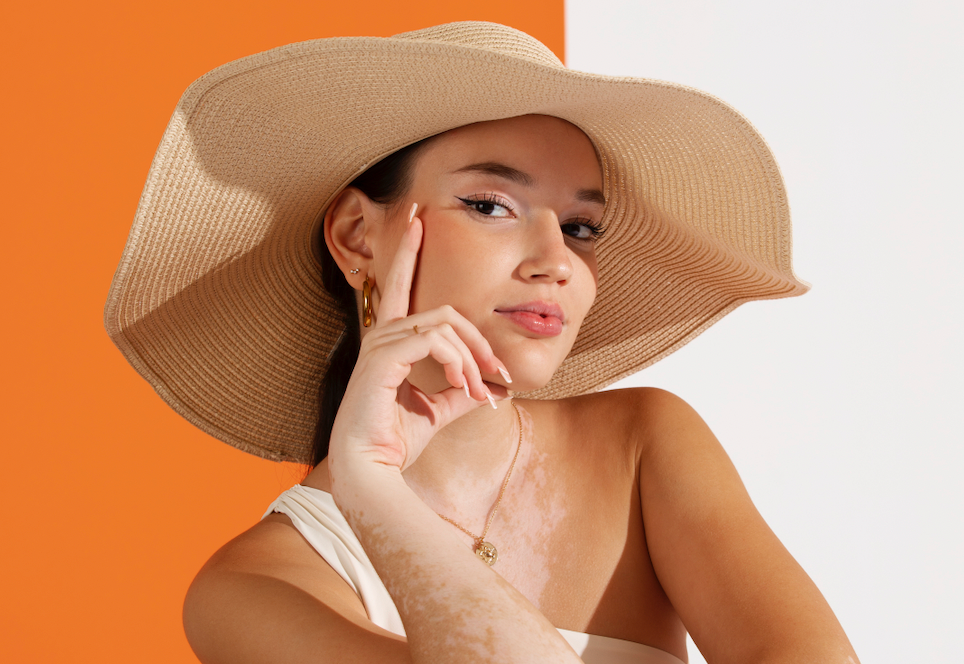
(385, 183)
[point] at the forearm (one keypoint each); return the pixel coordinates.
(454, 607)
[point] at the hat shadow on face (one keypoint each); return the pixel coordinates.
(218, 301)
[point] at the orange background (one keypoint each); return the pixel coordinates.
(112, 500)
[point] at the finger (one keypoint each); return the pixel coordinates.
(397, 355)
(471, 380)
(498, 392)
(396, 292)
(452, 404)
(477, 345)
(455, 370)
(471, 375)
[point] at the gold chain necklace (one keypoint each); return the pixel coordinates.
(485, 550)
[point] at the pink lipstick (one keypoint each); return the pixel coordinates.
(542, 318)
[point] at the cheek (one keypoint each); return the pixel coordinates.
(589, 276)
(448, 270)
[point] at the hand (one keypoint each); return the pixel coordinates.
(383, 418)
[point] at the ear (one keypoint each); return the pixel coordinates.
(346, 225)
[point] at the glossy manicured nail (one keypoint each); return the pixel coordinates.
(491, 400)
(465, 386)
(411, 215)
(505, 375)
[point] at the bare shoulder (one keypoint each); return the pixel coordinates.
(268, 596)
(739, 592)
(274, 548)
(638, 419)
(626, 407)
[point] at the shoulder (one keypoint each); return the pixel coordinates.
(271, 547)
(629, 406)
(268, 578)
(643, 417)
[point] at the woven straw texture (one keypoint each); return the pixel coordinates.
(218, 300)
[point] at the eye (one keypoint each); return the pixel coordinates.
(583, 229)
(488, 205)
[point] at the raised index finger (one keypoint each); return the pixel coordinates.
(396, 293)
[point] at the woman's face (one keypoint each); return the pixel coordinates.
(509, 209)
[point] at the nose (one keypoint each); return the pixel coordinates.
(547, 257)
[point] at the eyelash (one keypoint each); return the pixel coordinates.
(486, 199)
(596, 229)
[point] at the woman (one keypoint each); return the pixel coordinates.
(445, 520)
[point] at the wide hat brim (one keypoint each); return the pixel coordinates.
(218, 300)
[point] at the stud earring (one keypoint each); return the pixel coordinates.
(354, 270)
(367, 312)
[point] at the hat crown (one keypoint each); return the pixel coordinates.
(490, 37)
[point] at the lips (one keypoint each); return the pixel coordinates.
(541, 318)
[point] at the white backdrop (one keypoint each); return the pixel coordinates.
(841, 409)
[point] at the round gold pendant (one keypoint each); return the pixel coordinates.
(487, 553)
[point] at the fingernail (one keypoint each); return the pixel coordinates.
(491, 401)
(505, 375)
(465, 386)
(411, 215)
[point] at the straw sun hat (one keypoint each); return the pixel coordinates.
(218, 300)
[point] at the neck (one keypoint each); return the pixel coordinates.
(462, 469)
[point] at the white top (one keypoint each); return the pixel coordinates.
(314, 514)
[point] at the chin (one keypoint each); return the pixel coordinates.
(531, 371)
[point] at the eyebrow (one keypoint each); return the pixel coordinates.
(526, 180)
(591, 196)
(499, 170)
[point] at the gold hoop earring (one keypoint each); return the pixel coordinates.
(367, 312)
